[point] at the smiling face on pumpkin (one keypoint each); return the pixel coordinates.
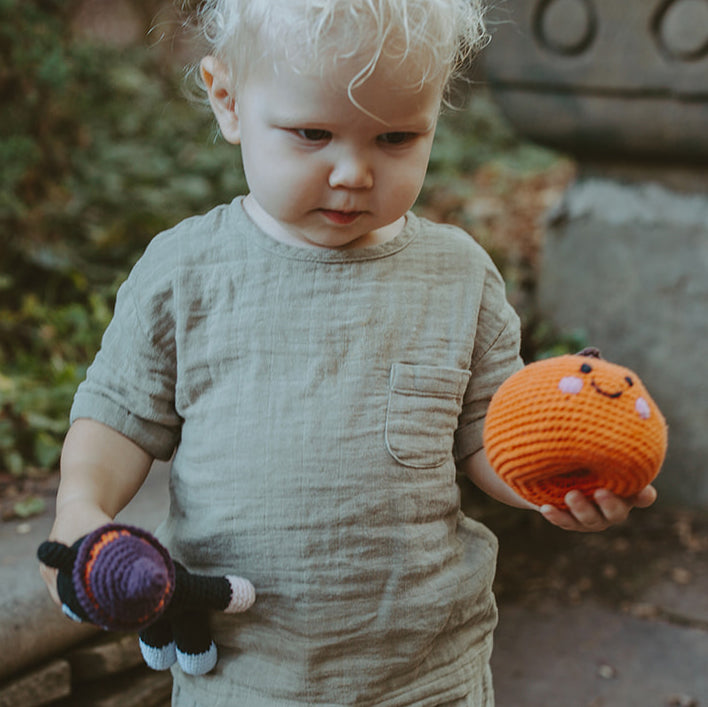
(574, 422)
(604, 379)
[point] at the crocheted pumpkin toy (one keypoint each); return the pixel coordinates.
(121, 578)
(574, 422)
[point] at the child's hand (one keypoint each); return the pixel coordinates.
(585, 516)
(76, 520)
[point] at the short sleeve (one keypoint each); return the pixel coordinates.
(130, 386)
(495, 357)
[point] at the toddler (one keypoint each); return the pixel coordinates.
(318, 361)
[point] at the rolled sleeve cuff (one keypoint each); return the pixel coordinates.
(155, 438)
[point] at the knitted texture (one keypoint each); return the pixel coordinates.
(182, 636)
(123, 578)
(574, 422)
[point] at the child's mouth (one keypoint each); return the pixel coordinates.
(341, 218)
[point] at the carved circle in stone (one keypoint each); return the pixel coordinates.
(565, 27)
(681, 29)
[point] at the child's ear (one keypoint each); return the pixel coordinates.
(221, 96)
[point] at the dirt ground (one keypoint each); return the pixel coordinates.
(538, 562)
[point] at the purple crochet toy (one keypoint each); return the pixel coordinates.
(121, 578)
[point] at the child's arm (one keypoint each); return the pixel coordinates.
(480, 472)
(101, 470)
(582, 515)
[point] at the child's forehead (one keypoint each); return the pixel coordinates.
(288, 96)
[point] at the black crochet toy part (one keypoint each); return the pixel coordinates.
(121, 578)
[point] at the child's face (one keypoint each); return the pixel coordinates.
(320, 170)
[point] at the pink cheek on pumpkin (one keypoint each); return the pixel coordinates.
(642, 407)
(570, 384)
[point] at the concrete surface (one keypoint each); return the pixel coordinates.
(627, 263)
(550, 655)
(590, 656)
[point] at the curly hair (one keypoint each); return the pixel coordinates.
(439, 36)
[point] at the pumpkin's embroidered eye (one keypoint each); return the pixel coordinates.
(585, 368)
(629, 380)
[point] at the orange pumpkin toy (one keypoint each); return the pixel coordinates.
(574, 422)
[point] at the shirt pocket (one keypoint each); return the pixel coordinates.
(424, 403)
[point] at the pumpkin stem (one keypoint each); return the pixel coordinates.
(590, 351)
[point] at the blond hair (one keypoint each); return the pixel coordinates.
(440, 35)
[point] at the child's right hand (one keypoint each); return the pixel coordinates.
(74, 521)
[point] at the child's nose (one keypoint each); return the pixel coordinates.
(351, 170)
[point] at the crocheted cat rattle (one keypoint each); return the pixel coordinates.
(121, 578)
(574, 422)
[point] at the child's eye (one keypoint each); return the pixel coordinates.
(396, 138)
(313, 134)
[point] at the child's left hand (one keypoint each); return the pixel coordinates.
(605, 509)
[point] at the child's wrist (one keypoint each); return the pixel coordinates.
(75, 518)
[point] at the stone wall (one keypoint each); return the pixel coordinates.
(605, 79)
(628, 263)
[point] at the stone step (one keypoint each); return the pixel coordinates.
(43, 686)
(107, 671)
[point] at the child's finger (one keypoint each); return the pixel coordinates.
(645, 497)
(594, 516)
(49, 575)
(614, 508)
(583, 515)
(560, 518)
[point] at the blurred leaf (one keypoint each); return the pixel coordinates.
(28, 507)
(14, 462)
(46, 450)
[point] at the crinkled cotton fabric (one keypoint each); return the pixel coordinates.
(316, 402)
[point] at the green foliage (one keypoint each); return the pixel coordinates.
(29, 506)
(479, 135)
(541, 340)
(42, 367)
(99, 150)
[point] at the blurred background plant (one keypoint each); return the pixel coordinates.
(100, 150)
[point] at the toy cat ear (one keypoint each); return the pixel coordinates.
(590, 351)
(57, 555)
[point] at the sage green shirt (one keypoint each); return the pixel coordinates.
(316, 401)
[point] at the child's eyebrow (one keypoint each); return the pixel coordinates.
(288, 120)
(423, 125)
